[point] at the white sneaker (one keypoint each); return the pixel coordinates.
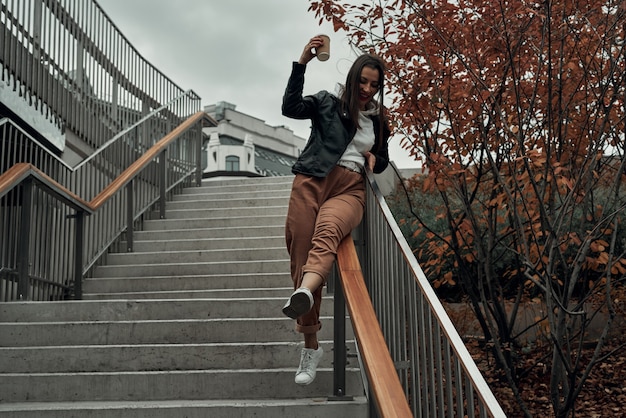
(309, 359)
(300, 302)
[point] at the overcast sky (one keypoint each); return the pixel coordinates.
(239, 51)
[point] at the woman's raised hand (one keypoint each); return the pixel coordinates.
(308, 54)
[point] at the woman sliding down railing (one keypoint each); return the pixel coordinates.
(349, 135)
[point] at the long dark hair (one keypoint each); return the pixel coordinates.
(350, 94)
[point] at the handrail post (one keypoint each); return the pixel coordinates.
(162, 182)
(199, 156)
(339, 342)
(130, 214)
(23, 286)
(78, 255)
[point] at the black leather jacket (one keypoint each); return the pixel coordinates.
(331, 130)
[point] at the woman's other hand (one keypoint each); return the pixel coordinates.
(308, 54)
(370, 161)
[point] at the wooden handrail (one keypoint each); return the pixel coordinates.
(21, 171)
(13, 176)
(381, 372)
(128, 174)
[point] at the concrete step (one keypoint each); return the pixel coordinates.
(205, 244)
(209, 202)
(191, 294)
(154, 357)
(247, 183)
(222, 222)
(211, 233)
(198, 256)
(226, 195)
(194, 269)
(202, 282)
(240, 187)
(306, 407)
(182, 331)
(247, 180)
(148, 310)
(171, 384)
(212, 213)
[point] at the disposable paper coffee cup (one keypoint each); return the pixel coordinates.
(323, 52)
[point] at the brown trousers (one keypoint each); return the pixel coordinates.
(322, 211)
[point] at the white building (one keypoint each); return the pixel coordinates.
(241, 144)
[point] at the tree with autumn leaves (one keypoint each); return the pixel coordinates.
(516, 111)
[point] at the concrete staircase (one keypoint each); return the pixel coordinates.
(188, 325)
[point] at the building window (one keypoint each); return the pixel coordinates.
(232, 163)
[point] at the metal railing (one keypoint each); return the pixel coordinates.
(37, 197)
(67, 64)
(49, 245)
(435, 370)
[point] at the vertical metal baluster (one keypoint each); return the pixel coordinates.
(78, 254)
(23, 266)
(162, 183)
(129, 216)
(339, 354)
(4, 44)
